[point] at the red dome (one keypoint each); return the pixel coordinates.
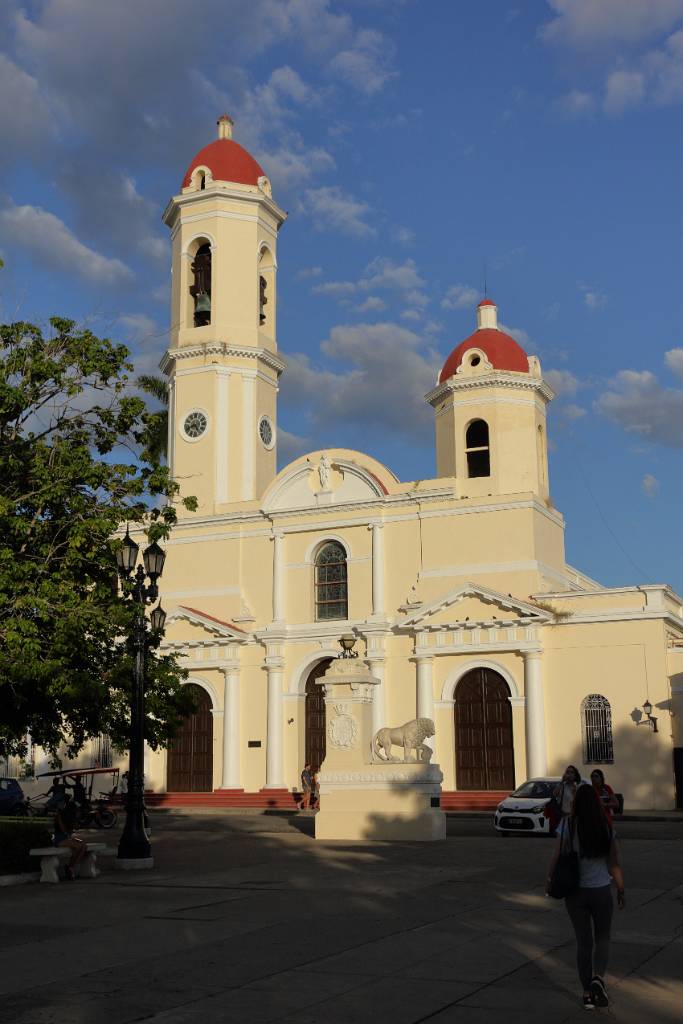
(501, 350)
(486, 302)
(228, 161)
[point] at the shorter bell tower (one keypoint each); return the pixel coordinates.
(490, 407)
(223, 364)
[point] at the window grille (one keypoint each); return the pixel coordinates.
(596, 728)
(100, 752)
(331, 586)
(477, 449)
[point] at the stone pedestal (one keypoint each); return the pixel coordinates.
(362, 797)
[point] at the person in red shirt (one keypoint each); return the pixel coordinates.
(609, 802)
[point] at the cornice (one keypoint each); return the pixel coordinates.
(215, 191)
(222, 348)
(520, 382)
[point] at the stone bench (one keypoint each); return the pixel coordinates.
(50, 857)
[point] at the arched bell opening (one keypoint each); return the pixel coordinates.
(484, 752)
(266, 290)
(200, 284)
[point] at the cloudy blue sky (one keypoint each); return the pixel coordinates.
(413, 144)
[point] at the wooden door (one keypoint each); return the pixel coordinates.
(315, 717)
(483, 732)
(190, 753)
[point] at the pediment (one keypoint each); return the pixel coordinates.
(333, 477)
(472, 605)
(191, 625)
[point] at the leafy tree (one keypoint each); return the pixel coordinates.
(75, 466)
(156, 422)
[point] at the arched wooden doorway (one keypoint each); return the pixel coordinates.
(190, 753)
(315, 716)
(484, 753)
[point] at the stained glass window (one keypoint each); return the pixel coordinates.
(331, 587)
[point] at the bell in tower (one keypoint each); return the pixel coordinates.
(200, 290)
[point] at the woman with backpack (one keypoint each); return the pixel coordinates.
(587, 835)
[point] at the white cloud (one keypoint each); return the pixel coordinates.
(290, 446)
(590, 23)
(373, 304)
(331, 207)
(519, 334)
(577, 103)
(366, 65)
(623, 89)
(366, 393)
(306, 272)
(460, 296)
(650, 485)
(674, 360)
(50, 241)
(336, 288)
(385, 273)
(571, 411)
(593, 298)
(411, 314)
(403, 235)
(138, 327)
(637, 402)
(563, 382)
(25, 119)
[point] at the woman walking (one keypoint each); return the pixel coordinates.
(587, 831)
(606, 794)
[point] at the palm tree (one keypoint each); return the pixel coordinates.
(156, 423)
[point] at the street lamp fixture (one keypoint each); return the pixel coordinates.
(347, 642)
(650, 719)
(134, 844)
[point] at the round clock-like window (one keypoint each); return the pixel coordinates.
(195, 424)
(266, 432)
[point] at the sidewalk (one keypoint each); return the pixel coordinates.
(251, 919)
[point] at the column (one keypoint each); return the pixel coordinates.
(379, 720)
(425, 694)
(278, 578)
(536, 754)
(274, 725)
(378, 610)
(231, 727)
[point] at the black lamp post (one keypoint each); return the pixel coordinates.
(134, 843)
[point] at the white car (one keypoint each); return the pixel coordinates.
(522, 811)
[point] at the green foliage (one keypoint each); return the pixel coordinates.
(17, 837)
(75, 466)
(155, 437)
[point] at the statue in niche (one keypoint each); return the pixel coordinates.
(410, 736)
(324, 469)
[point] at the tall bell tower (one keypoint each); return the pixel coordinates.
(490, 406)
(223, 364)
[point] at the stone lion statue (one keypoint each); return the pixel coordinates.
(410, 736)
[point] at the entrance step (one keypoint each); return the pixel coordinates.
(472, 800)
(279, 799)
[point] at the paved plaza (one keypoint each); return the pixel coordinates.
(247, 918)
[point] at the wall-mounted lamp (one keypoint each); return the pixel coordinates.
(649, 718)
(289, 721)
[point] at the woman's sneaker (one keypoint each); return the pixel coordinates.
(599, 992)
(588, 1003)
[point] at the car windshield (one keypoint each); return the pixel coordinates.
(542, 790)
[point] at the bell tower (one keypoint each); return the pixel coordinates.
(223, 364)
(490, 407)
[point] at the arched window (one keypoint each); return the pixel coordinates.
(331, 587)
(200, 289)
(202, 181)
(262, 300)
(596, 730)
(477, 448)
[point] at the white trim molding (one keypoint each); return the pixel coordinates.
(454, 677)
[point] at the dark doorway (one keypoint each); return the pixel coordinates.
(190, 753)
(315, 716)
(484, 754)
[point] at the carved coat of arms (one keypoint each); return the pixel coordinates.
(343, 729)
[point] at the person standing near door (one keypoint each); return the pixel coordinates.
(306, 787)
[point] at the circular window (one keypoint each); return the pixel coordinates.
(475, 360)
(195, 424)
(266, 432)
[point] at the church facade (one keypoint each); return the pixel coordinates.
(456, 588)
